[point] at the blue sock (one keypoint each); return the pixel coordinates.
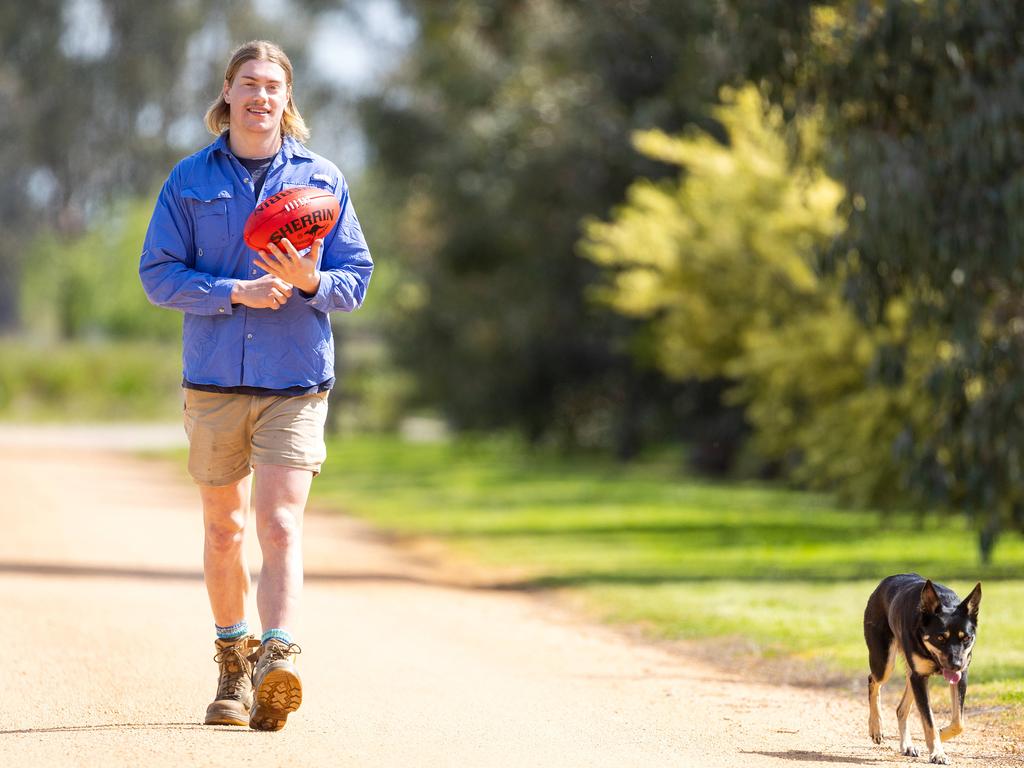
(277, 634)
(235, 631)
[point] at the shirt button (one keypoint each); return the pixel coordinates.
(248, 336)
(200, 252)
(220, 309)
(247, 181)
(254, 271)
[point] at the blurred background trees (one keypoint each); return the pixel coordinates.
(521, 114)
(783, 235)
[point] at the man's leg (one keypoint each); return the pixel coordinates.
(225, 509)
(280, 498)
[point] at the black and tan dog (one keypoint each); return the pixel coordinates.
(934, 631)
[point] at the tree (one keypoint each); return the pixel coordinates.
(925, 101)
(522, 113)
(98, 99)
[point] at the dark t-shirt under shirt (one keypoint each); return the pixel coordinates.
(257, 168)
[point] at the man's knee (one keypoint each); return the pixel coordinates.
(280, 531)
(225, 535)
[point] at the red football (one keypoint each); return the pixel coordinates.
(302, 214)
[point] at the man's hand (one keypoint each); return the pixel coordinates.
(291, 267)
(267, 292)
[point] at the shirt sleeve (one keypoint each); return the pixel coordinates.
(345, 264)
(167, 266)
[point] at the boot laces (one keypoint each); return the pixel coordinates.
(280, 651)
(233, 672)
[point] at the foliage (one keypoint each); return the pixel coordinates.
(816, 390)
(724, 249)
(721, 262)
(923, 106)
(920, 105)
(521, 113)
(88, 286)
(43, 381)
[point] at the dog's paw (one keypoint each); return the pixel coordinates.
(909, 750)
(939, 759)
(950, 731)
(875, 730)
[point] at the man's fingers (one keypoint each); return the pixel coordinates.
(289, 250)
(273, 269)
(272, 255)
(282, 251)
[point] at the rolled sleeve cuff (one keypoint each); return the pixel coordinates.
(220, 297)
(321, 299)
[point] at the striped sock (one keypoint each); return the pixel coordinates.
(277, 634)
(235, 631)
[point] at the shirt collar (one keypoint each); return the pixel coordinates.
(221, 144)
(293, 148)
(289, 146)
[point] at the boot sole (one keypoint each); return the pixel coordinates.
(226, 717)
(279, 694)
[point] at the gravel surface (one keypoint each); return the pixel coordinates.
(109, 651)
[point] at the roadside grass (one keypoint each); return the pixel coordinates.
(108, 380)
(779, 574)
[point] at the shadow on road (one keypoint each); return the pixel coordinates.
(126, 726)
(84, 570)
(805, 756)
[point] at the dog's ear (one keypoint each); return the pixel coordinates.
(929, 598)
(972, 602)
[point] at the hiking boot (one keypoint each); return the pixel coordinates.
(234, 688)
(277, 689)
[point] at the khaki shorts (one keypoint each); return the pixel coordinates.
(228, 434)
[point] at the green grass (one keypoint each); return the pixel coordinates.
(109, 380)
(782, 573)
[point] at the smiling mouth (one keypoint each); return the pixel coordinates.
(258, 111)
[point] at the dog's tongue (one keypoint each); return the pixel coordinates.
(951, 675)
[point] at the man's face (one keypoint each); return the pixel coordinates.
(257, 97)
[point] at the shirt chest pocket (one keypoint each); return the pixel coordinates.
(317, 181)
(212, 215)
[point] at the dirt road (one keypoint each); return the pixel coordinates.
(108, 653)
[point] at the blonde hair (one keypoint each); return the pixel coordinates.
(218, 116)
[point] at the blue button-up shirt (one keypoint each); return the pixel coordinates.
(194, 254)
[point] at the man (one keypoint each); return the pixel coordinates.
(258, 363)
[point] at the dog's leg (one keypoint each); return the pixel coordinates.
(903, 718)
(919, 685)
(957, 694)
(881, 668)
(874, 718)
